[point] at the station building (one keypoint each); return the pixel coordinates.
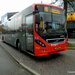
(6, 16)
(71, 19)
(71, 24)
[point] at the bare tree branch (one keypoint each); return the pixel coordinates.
(54, 2)
(71, 4)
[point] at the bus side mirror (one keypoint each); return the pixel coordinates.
(37, 18)
(36, 11)
(9, 19)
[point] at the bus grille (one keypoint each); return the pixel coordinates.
(55, 40)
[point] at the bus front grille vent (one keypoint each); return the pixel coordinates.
(55, 40)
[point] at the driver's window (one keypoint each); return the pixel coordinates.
(48, 25)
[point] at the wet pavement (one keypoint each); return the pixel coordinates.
(62, 63)
(10, 67)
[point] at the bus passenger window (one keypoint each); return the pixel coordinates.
(29, 24)
(30, 28)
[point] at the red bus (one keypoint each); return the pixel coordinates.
(38, 30)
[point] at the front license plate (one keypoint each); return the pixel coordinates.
(56, 48)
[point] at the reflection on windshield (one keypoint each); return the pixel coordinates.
(49, 24)
(53, 27)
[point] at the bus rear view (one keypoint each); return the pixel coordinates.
(50, 30)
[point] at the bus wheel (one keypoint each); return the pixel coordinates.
(19, 47)
(3, 38)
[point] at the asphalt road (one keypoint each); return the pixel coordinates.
(10, 67)
(71, 41)
(62, 63)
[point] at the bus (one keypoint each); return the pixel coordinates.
(39, 30)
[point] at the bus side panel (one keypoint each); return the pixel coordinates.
(22, 40)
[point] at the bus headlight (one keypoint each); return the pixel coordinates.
(40, 43)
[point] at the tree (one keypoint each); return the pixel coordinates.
(65, 7)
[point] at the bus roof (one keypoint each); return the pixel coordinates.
(47, 5)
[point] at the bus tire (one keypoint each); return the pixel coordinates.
(19, 47)
(3, 38)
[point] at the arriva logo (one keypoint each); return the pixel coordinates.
(54, 44)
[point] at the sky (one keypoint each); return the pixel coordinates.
(17, 5)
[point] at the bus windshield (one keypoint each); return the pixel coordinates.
(50, 23)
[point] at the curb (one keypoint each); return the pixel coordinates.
(73, 48)
(29, 69)
(23, 65)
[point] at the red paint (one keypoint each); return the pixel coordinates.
(42, 51)
(71, 20)
(38, 50)
(46, 5)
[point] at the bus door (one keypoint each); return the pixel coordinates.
(29, 33)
